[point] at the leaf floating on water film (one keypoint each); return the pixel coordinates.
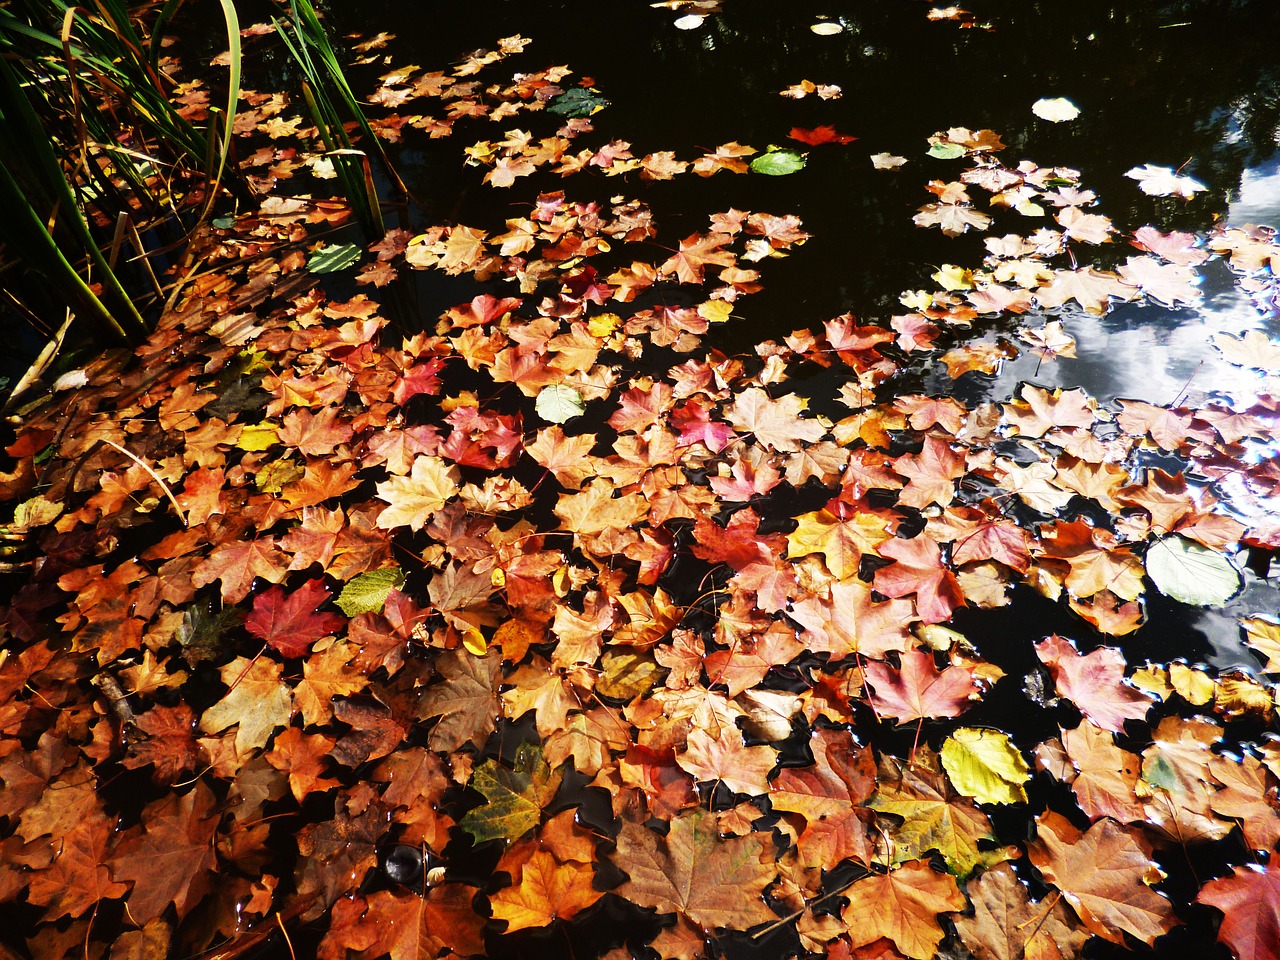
(1192, 573)
(983, 764)
(902, 906)
(291, 622)
(887, 161)
(1264, 636)
(558, 403)
(1055, 110)
(714, 881)
(1250, 902)
(1164, 182)
(517, 795)
(946, 151)
(1094, 683)
(778, 163)
(547, 891)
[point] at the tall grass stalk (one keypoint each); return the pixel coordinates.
(331, 104)
(91, 136)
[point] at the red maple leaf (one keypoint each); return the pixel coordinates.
(920, 570)
(1094, 683)
(289, 622)
(696, 252)
(823, 134)
(1250, 902)
(919, 689)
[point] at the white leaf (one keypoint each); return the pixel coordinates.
(558, 403)
(1057, 110)
(1164, 182)
(1192, 573)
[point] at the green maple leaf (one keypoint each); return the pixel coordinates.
(516, 795)
(368, 592)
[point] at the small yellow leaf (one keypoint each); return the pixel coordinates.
(715, 311)
(1240, 696)
(952, 277)
(603, 324)
(258, 436)
(1154, 680)
(1194, 686)
(35, 512)
(498, 578)
(1264, 636)
(474, 642)
(983, 764)
(515, 637)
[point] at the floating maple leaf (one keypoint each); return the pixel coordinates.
(1094, 683)
(1007, 923)
(934, 816)
(693, 871)
(1250, 903)
(777, 424)
(516, 795)
(952, 218)
(918, 690)
(545, 891)
(1104, 874)
(1159, 181)
(903, 906)
(289, 622)
(415, 499)
(919, 570)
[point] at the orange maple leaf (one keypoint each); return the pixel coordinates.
(547, 890)
(902, 906)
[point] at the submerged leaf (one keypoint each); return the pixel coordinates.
(577, 102)
(333, 258)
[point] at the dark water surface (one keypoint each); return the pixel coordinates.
(1163, 83)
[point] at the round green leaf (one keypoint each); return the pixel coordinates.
(559, 403)
(334, 258)
(778, 163)
(1192, 573)
(946, 151)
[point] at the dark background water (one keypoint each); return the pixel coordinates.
(1163, 83)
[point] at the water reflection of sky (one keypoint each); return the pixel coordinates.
(1259, 197)
(1141, 351)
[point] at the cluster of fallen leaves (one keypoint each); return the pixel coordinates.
(294, 576)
